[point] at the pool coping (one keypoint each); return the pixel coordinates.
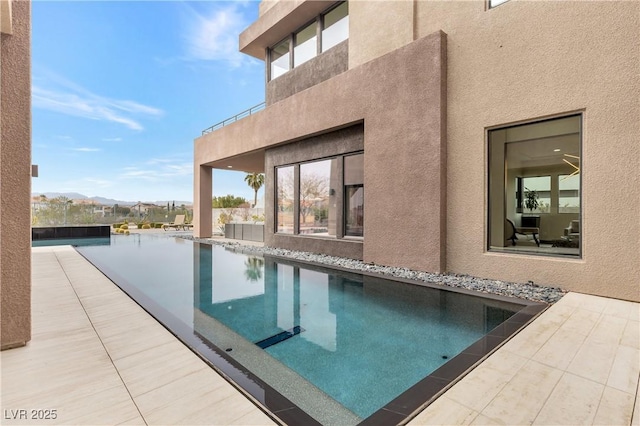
(400, 410)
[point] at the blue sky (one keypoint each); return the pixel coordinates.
(121, 89)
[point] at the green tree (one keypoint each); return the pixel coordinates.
(255, 181)
(254, 267)
(312, 186)
(227, 202)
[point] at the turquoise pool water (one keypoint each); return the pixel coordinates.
(76, 242)
(339, 345)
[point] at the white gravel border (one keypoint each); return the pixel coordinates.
(528, 291)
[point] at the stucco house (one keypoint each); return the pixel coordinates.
(492, 138)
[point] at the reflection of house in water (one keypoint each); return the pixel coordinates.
(288, 323)
(335, 312)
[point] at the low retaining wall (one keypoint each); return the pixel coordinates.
(244, 231)
(60, 232)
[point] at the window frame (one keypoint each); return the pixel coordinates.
(580, 114)
(340, 232)
(319, 24)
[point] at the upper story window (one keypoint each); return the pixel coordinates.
(280, 58)
(332, 27)
(305, 45)
(335, 26)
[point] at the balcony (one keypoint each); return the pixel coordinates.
(235, 118)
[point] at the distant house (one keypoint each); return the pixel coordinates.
(144, 208)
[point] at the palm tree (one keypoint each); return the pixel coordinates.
(254, 269)
(255, 181)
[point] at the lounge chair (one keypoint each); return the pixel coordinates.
(511, 230)
(177, 223)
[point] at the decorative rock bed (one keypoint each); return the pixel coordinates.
(529, 290)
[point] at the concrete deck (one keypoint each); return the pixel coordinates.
(96, 357)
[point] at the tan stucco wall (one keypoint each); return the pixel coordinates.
(525, 60)
(404, 146)
(520, 61)
(15, 180)
(379, 27)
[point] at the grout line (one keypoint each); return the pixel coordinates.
(98, 336)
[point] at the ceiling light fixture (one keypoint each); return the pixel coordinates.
(577, 168)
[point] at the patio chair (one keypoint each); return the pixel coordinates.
(177, 223)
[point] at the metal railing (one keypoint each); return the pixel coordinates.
(235, 118)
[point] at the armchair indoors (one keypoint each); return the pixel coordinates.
(512, 232)
(572, 232)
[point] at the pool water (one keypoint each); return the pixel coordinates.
(339, 345)
(76, 242)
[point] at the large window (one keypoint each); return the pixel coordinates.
(533, 194)
(569, 196)
(327, 199)
(305, 42)
(354, 195)
(535, 186)
(318, 181)
(280, 58)
(285, 200)
(333, 27)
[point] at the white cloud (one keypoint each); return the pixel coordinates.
(96, 182)
(85, 149)
(158, 170)
(66, 97)
(111, 139)
(214, 36)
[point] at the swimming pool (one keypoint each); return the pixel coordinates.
(311, 343)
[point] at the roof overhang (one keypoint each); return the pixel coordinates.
(278, 22)
(252, 162)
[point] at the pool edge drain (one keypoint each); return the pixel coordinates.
(280, 337)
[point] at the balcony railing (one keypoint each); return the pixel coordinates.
(235, 118)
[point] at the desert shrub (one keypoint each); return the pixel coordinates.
(157, 225)
(117, 225)
(146, 226)
(126, 232)
(124, 226)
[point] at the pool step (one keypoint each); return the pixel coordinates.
(280, 337)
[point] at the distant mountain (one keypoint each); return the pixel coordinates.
(70, 195)
(107, 201)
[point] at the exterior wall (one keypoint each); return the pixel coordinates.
(334, 143)
(521, 61)
(321, 68)
(524, 60)
(379, 27)
(404, 131)
(15, 179)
